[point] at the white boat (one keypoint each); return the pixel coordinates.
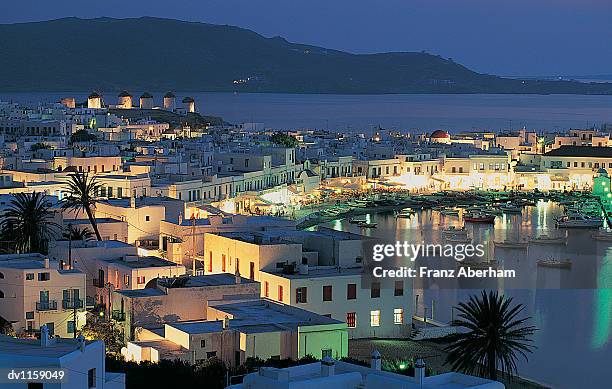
(545, 239)
(556, 264)
(405, 213)
(367, 225)
(454, 231)
(458, 239)
(508, 244)
(602, 235)
(579, 221)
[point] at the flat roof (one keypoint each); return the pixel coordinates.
(581, 151)
(200, 281)
(141, 201)
(322, 272)
(142, 262)
(58, 347)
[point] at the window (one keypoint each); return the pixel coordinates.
(202, 343)
(327, 293)
(140, 280)
(301, 295)
(399, 288)
(252, 270)
(280, 293)
(266, 289)
(374, 318)
(126, 280)
(1, 275)
(44, 276)
(211, 354)
(223, 263)
(351, 291)
(70, 327)
(398, 316)
(29, 276)
(326, 352)
(375, 291)
(91, 378)
(147, 218)
(29, 315)
(351, 319)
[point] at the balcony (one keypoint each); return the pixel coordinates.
(118, 315)
(72, 304)
(46, 305)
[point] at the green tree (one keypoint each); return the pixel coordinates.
(82, 193)
(495, 336)
(75, 233)
(82, 136)
(6, 328)
(39, 146)
(284, 140)
(28, 223)
(105, 330)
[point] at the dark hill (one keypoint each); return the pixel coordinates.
(160, 54)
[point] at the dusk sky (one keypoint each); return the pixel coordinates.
(518, 37)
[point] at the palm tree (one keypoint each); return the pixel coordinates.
(27, 222)
(75, 233)
(82, 192)
(494, 339)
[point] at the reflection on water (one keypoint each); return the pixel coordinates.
(571, 307)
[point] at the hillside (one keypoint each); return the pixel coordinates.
(74, 54)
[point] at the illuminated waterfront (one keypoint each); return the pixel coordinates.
(571, 307)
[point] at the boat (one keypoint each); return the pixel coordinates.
(556, 264)
(405, 213)
(579, 221)
(449, 212)
(509, 244)
(602, 235)
(545, 239)
(357, 221)
(458, 239)
(367, 225)
(511, 209)
(452, 230)
(479, 218)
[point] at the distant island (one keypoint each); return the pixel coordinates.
(73, 54)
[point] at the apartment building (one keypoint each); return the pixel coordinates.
(173, 299)
(82, 362)
(237, 331)
(36, 290)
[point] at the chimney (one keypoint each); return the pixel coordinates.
(238, 278)
(327, 367)
(46, 263)
(375, 362)
(44, 336)
(180, 219)
(419, 371)
(133, 202)
(226, 322)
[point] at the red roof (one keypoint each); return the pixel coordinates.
(437, 134)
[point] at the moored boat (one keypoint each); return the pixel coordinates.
(479, 218)
(545, 239)
(508, 244)
(554, 263)
(579, 221)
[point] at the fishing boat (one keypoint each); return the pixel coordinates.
(545, 239)
(458, 239)
(508, 208)
(405, 213)
(367, 225)
(479, 218)
(554, 263)
(357, 221)
(455, 231)
(602, 235)
(449, 212)
(579, 221)
(508, 244)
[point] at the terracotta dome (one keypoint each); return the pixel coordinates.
(439, 134)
